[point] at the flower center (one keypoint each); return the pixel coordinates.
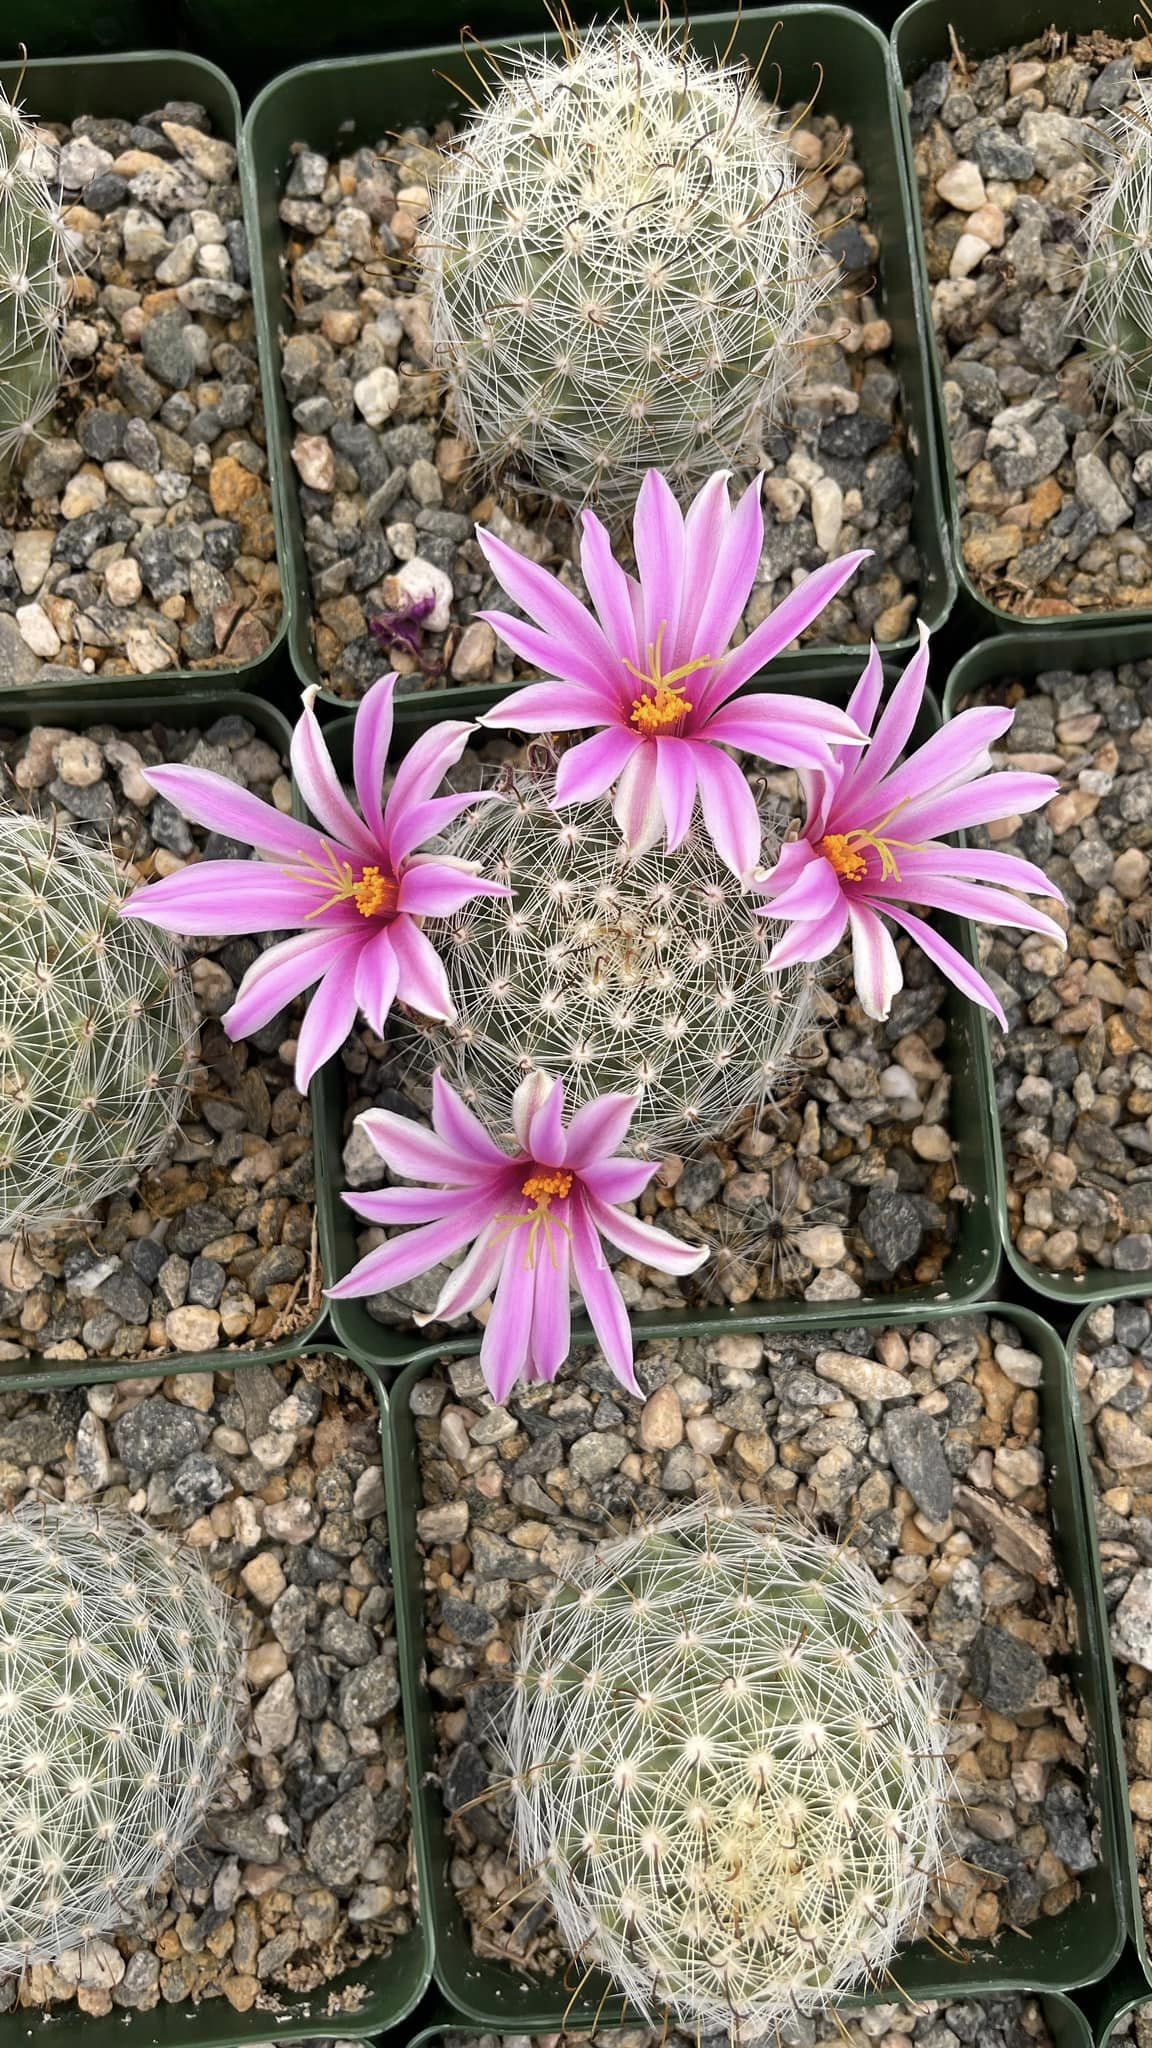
(375, 894)
(372, 891)
(667, 705)
(844, 851)
(541, 1187)
(844, 857)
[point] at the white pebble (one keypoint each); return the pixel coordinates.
(377, 395)
(962, 187)
(419, 578)
(827, 513)
(969, 251)
(37, 631)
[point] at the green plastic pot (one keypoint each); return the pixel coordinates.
(131, 709)
(1118, 1998)
(924, 35)
(342, 104)
(1066, 2025)
(60, 89)
(394, 1984)
(1078, 1947)
(1029, 653)
(971, 1269)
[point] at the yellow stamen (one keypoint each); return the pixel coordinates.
(842, 849)
(541, 1187)
(375, 894)
(844, 858)
(667, 705)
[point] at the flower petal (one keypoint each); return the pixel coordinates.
(551, 1338)
(957, 754)
(951, 963)
(547, 1143)
(415, 1152)
(706, 525)
(636, 806)
(598, 1127)
(507, 1333)
(889, 739)
(219, 899)
(610, 589)
(473, 1280)
(414, 1252)
(978, 803)
(329, 1018)
(222, 806)
(618, 1180)
(864, 702)
(814, 894)
(427, 820)
(320, 787)
(555, 707)
(757, 726)
(602, 1297)
(371, 739)
(978, 902)
(408, 1205)
(676, 783)
(533, 1091)
(808, 940)
(462, 1130)
(433, 888)
(643, 1241)
(591, 767)
(729, 808)
(876, 968)
(735, 557)
(780, 628)
(422, 770)
(423, 984)
(980, 864)
(281, 974)
(658, 539)
(377, 974)
(554, 609)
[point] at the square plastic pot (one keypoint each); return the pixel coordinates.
(193, 704)
(347, 102)
(1066, 2025)
(923, 35)
(1111, 2002)
(60, 89)
(394, 1983)
(971, 1269)
(1027, 654)
(1078, 1947)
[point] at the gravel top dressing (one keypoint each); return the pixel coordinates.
(301, 1873)
(925, 1444)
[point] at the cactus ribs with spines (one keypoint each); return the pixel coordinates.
(119, 1686)
(34, 274)
(621, 265)
(1112, 309)
(96, 1029)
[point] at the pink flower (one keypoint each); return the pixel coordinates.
(534, 1222)
(652, 670)
(355, 890)
(870, 844)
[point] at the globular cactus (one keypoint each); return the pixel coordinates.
(119, 1682)
(727, 1765)
(33, 287)
(640, 975)
(620, 266)
(96, 1029)
(1112, 308)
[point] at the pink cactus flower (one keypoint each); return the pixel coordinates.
(871, 844)
(651, 667)
(355, 890)
(533, 1219)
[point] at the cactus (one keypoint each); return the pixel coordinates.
(96, 1025)
(639, 975)
(33, 286)
(1112, 308)
(620, 266)
(119, 1678)
(727, 1764)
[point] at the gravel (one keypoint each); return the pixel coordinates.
(1010, 2022)
(1055, 515)
(387, 499)
(302, 1873)
(140, 537)
(215, 1248)
(1113, 1370)
(817, 1424)
(1074, 1070)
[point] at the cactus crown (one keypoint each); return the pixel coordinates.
(643, 975)
(33, 286)
(620, 265)
(1112, 308)
(727, 1762)
(118, 1686)
(96, 1024)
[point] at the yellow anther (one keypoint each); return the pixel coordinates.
(375, 894)
(667, 704)
(541, 1187)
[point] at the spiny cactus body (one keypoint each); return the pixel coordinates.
(33, 286)
(96, 1021)
(620, 266)
(727, 1765)
(118, 1690)
(1112, 309)
(616, 974)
